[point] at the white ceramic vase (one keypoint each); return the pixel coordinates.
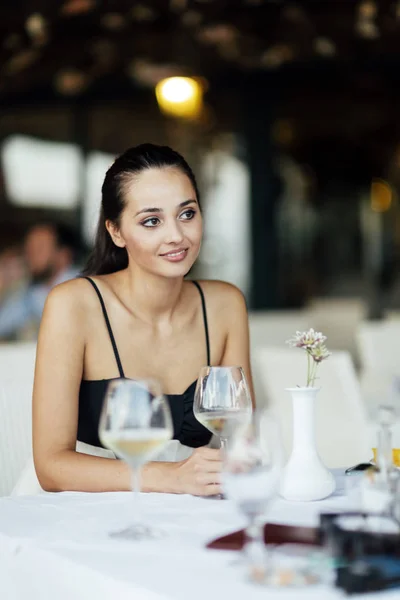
(305, 478)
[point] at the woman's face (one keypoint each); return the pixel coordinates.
(161, 225)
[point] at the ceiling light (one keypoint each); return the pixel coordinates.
(367, 9)
(324, 46)
(141, 12)
(21, 61)
(77, 7)
(180, 96)
(217, 34)
(177, 89)
(381, 195)
(367, 29)
(177, 5)
(71, 81)
(36, 26)
(113, 21)
(276, 56)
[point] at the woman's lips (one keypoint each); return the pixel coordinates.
(175, 255)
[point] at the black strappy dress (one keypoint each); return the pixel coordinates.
(186, 427)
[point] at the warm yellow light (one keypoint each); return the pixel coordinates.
(180, 96)
(381, 196)
(177, 89)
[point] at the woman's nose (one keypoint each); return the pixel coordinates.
(174, 234)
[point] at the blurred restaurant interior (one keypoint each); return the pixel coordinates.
(292, 129)
(294, 135)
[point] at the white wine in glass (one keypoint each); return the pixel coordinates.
(135, 424)
(221, 423)
(222, 401)
(136, 446)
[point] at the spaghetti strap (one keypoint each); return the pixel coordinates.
(110, 332)
(203, 306)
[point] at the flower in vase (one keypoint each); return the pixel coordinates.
(320, 353)
(313, 342)
(306, 339)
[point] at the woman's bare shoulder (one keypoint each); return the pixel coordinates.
(221, 295)
(76, 294)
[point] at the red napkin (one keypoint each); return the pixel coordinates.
(273, 534)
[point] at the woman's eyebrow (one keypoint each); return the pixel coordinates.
(160, 210)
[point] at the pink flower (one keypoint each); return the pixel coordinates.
(319, 353)
(307, 339)
(313, 343)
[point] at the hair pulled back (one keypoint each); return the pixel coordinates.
(106, 257)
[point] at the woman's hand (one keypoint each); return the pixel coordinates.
(200, 474)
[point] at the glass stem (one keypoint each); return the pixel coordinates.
(136, 494)
(223, 442)
(254, 548)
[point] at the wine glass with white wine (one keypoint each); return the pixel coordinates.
(222, 401)
(135, 424)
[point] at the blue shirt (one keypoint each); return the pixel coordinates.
(26, 306)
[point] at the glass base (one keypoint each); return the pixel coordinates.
(280, 577)
(291, 566)
(137, 532)
(215, 497)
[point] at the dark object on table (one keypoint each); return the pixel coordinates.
(273, 534)
(369, 574)
(358, 468)
(353, 534)
(365, 548)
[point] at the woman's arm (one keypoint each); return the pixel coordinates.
(231, 314)
(58, 374)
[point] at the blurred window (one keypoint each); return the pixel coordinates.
(41, 174)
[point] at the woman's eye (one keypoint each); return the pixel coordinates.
(188, 214)
(152, 222)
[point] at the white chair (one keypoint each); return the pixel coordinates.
(17, 471)
(380, 387)
(342, 429)
(17, 365)
(272, 328)
(17, 360)
(379, 345)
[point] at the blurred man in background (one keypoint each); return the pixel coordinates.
(50, 252)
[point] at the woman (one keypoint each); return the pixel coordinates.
(135, 316)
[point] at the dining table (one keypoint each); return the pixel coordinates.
(58, 546)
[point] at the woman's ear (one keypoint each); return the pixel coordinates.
(115, 234)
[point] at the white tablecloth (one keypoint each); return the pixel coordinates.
(55, 546)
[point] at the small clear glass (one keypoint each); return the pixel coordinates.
(352, 485)
(135, 424)
(251, 475)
